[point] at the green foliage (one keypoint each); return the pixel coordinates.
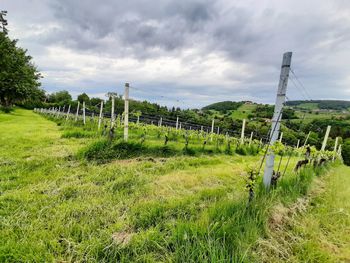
(19, 78)
(346, 152)
(60, 98)
(84, 98)
(223, 106)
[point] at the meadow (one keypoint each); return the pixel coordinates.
(68, 194)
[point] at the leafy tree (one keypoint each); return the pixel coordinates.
(83, 97)
(61, 97)
(19, 78)
(95, 101)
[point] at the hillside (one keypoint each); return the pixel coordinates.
(339, 105)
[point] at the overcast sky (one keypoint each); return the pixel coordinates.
(186, 53)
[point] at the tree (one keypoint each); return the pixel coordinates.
(83, 97)
(61, 97)
(95, 101)
(19, 78)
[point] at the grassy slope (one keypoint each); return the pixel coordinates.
(243, 111)
(55, 207)
(315, 229)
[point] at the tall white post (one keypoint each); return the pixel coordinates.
(100, 116)
(251, 138)
(68, 112)
(324, 144)
(275, 128)
(112, 112)
(212, 126)
(298, 144)
(218, 131)
(76, 115)
(242, 132)
(126, 112)
(177, 122)
(138, 120)
(180, 126)
(84, 120)
(160, 122)
(335, 148)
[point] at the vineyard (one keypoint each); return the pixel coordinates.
(71, 192)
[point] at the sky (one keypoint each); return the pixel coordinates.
(186, 53)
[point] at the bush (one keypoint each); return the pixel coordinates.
(346, 152)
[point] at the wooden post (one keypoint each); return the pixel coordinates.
(242, 132)
(126, 112)
(324, 144)
(76, 115)
(277, 116)
(84, 121)
(100, 116)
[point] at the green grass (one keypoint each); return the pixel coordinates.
(317, 228)
(56, 207)
(308, 106)
(243, 111)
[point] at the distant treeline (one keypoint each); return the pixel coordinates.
(224, 106)
(323, 104)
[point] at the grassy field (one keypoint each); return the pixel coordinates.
(55, 206)
(243, 111)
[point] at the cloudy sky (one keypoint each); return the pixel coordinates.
(187, 53)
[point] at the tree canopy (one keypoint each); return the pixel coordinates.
(19, 78)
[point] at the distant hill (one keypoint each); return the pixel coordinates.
(320, 104)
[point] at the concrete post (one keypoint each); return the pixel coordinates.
(324, 144)
(112, 112)
(84, 113)
(251, 138)
(307, 138)
(242, 132)
(68, 112)
(335, 148)
(177, 122)
(298, 144)
(100, 116)
(76, 115)
(277, 116)
(126, 112)
(281, 136)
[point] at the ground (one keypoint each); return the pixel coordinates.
(57, 207)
